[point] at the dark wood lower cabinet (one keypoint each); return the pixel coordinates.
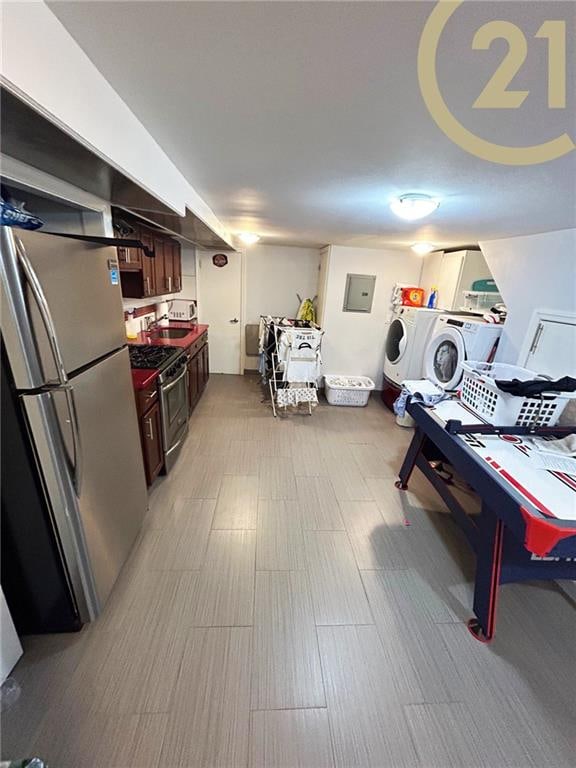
(193, 390)
(197, 374)
(151, 433)
(205, 365)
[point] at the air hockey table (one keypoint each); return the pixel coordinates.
(526, 529)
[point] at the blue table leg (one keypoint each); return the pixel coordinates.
(410, 459)
(487, 581)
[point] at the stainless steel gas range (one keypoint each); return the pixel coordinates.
(172, 362)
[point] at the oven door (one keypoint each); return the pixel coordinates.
(174, 400)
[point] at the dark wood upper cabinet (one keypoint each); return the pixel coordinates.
(148, 272)
(159, 271)
(177, 266)
(142, 276)
(172, 266)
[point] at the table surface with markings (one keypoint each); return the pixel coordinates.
(526, 529)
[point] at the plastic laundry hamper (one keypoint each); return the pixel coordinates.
(480, 393)
(348, 390)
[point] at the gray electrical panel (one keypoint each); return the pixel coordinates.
(359, 293)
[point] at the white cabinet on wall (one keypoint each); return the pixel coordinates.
(550, 344)
(452, 274)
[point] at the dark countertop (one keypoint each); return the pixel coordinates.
(143, 377)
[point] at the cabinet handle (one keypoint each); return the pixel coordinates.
(147, 286)
(150, 434)
(169, 284)
(127, 252)
(536, 339)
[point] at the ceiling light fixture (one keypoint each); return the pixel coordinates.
(422, 248)
(414, 206)
(249, 238)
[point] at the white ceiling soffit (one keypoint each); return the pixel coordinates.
(301, 120)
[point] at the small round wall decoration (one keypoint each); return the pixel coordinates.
(219, 259)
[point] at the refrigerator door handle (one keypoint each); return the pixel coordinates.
(77, 467)
(63, 383)
(43, 308)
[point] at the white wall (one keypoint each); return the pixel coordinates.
(535, 271)
(354, 342)
(274, 275)
(70, 91)
(189, 290)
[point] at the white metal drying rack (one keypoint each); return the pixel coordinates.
(290, 361)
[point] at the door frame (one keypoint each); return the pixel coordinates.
(241, 255)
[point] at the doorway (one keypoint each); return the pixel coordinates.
(219, 278)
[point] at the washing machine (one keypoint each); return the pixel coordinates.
(455, 339)
(406, 340)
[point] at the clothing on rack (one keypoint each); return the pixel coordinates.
(307, 311)
(290, 360)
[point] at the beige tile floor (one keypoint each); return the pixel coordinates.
(277, 612)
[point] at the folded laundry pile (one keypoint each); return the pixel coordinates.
(422, 390)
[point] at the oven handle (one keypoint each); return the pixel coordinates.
(168, 387)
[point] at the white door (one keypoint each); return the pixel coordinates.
(219, 306)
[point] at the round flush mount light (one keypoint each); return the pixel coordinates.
(422, 248)
(414, 206)
(249, 238)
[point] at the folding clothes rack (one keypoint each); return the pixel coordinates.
(290, 361)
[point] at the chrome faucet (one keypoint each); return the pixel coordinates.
(151, 325)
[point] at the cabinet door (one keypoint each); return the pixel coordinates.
(148, 268)
(552, 350)
(177, 265)
(131, 258)
(449, 278)
(159, 274)
(168, 269)
(206, 366)
(152, 442)
(193, 384)
(201, 380)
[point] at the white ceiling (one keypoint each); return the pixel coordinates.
(301, 120)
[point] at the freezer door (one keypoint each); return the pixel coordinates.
(80, 285)
(112, 497)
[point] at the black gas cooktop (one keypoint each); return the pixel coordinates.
(151, 356)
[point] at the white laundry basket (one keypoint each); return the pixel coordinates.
(348, 390)
(480, 394)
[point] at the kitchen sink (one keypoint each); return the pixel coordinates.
(170, 333)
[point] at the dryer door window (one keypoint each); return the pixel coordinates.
(396, 341)
(444, 358)
(445, 361)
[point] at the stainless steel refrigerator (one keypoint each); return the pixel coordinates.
(72, 515)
